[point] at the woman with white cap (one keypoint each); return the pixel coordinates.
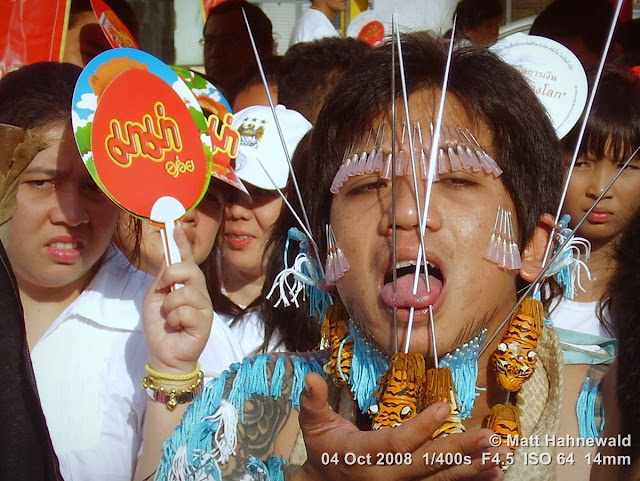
(236, 270)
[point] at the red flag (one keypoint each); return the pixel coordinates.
(32, 31)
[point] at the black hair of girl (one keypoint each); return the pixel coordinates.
(121, 8)
(38, 94)
(471, 13)
(614, 121)
(212, 269)
(624, 307)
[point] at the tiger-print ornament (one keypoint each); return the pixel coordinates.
(400, 391)
(440, 388)
(515, 357)
(336, 329)
(504, 420)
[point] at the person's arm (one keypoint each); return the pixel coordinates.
(176, 325)
(159, 423)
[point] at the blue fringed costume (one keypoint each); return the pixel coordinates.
(228, 432)
(233, 410)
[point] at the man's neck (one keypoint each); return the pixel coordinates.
(321, 7)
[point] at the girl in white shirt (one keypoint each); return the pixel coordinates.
(81, 309)
(612, 134)
(236, 270)
(82, 300)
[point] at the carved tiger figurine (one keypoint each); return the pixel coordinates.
(504, 420)
(440, 388)
(335, 328)
(400, 392)
(515, 357)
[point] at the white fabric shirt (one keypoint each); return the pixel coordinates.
(223, 349)
(248, 332)
(579, 317)
(89, 367)
(312, 25)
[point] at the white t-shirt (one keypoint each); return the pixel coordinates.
(89, 367)
(312, 25)
(223, 349)
(579, 317)
(248, 332)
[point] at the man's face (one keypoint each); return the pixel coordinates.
(63, 222)
(590, 177)
(227, 50)
(467, 292)
(336, 6)
(246, 231)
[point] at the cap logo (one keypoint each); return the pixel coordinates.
(250, 133)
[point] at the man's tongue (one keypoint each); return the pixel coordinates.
(404, 297)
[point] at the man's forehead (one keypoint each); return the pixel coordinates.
(226, 22)
(423, 113)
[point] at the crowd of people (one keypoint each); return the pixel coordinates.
(357, 310)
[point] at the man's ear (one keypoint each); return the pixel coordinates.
(533, 253)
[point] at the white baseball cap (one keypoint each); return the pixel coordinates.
(260, 145)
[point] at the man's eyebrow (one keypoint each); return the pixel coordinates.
(42, 170)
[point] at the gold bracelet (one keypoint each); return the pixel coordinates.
(172, 397)
(172, 377)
